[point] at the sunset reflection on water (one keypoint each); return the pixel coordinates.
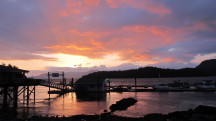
(89, 103)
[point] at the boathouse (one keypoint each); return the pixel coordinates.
(9, 74)
(91, 85)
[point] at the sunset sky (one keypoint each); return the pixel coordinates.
(42, 34)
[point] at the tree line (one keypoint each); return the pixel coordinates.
(151, 72)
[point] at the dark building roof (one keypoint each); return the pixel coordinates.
(10, 69)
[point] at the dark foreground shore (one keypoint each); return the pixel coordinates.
(200, 113)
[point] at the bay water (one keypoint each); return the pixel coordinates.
(92, 103)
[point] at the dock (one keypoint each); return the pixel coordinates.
(149, 88)
(14, 83)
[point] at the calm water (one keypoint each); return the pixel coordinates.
(148, 102)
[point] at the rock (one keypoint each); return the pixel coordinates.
(155, 117)
(180, 116)
(123, 104)
(205, 110)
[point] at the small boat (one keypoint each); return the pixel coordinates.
(175, 86)
(206, 85)
(161, 87)
(120, 88)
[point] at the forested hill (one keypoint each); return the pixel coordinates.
(204, 69)
(208, 65)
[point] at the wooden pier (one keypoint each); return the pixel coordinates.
(53, 85)
(14, 83)
(62, 88)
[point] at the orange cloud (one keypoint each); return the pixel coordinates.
(129, 42)
(93, 2)
(78, 48)
(87, 34)
(168, 59)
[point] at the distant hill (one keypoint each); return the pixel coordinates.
(207, 65)
(68, 75)
(206, 68)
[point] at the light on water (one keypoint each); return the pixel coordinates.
(148, 102)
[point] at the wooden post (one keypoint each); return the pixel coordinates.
(24, 88)
(34, 93)
(63, 80)
(72, 82)
(98, 88)
(98, 85)
(15, 96)
(49, 83)
(109, 85)
(5, 96)
(135, 84)
(28, 95)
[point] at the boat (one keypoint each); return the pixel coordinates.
(120, 88)
(206, 85)
(175, 86)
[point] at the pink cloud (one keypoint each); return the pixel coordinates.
(93, 2)
(166, 35)
(112, 3)
(86, 6)
(151, 6)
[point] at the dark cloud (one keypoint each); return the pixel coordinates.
(206, 35)
(186, 50)
(189, 12)
(22, 30)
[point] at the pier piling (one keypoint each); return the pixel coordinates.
(5, 96)
(27, 95)
(15, 96)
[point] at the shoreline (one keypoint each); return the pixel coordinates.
(200, 113)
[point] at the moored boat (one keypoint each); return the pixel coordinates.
(207, 85)
(175, 86)
(120, 88)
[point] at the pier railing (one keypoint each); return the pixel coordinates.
(52, 85)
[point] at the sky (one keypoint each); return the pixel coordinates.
(47, 34)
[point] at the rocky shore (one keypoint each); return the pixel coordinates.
(200, 113)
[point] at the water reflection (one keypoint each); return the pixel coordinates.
(91, 96)
(91, 103)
